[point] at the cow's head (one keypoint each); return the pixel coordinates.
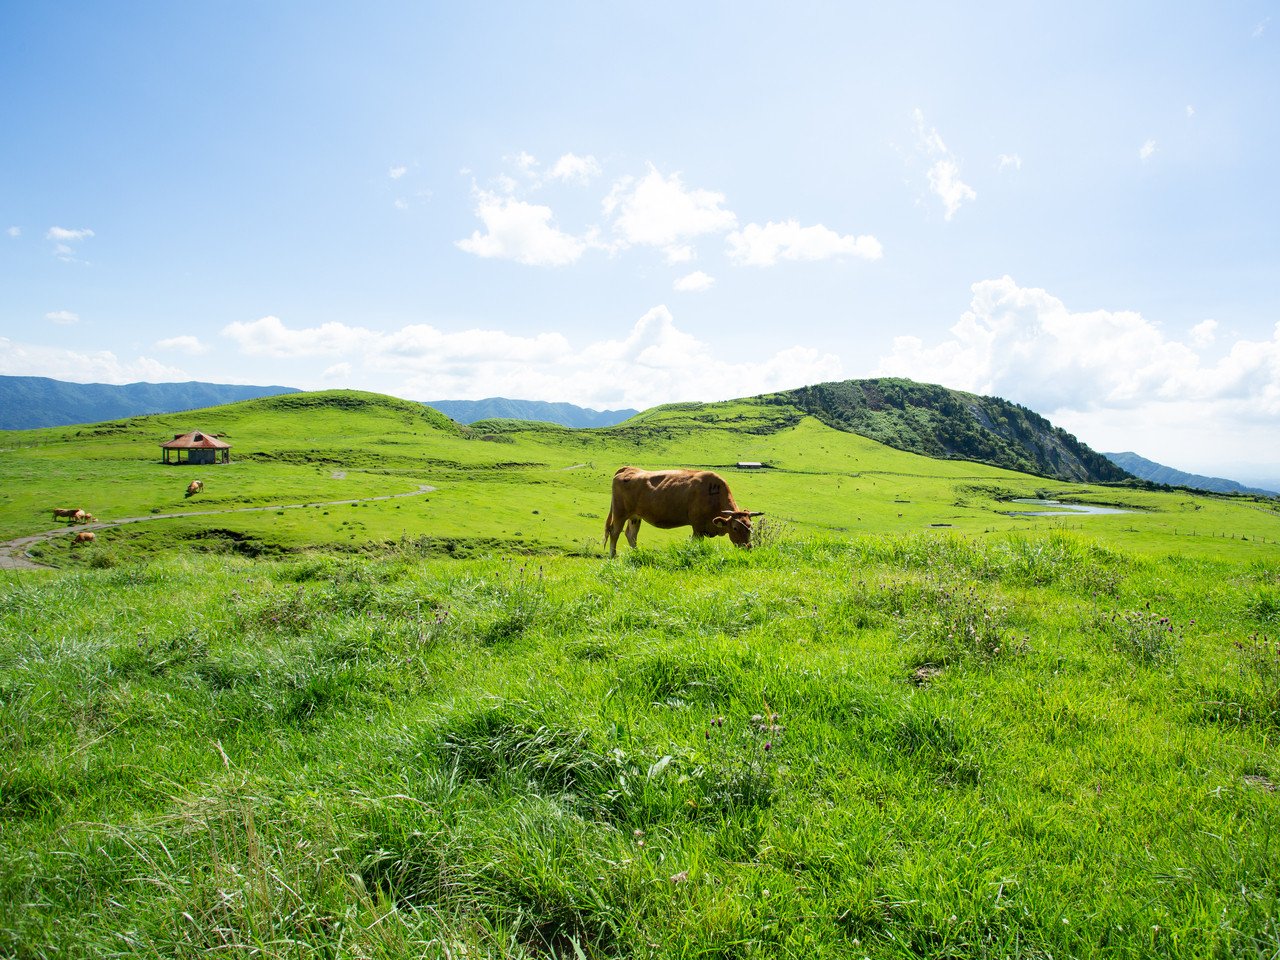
(737, 523)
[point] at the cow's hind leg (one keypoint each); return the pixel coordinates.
(633, 531)
(612, 527)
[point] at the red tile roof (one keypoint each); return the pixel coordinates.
(195, 440)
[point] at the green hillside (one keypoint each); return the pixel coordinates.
(297, 459)
(376, 693)
(940, 422)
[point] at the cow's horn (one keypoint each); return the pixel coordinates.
(755, 513)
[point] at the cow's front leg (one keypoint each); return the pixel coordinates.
(633, 531)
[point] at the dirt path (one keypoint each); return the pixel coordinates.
(13, 554)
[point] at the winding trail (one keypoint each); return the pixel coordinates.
(13, 554)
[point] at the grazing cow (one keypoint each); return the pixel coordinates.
(194, 487)
(85, 536)
(65, 513)
(675, 498)
(83, 517)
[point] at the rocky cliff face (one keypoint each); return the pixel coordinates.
(951, 424)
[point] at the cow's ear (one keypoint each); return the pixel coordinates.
(720, 521)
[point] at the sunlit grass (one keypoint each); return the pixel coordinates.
(886, 746)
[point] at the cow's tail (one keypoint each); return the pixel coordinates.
(608, 525)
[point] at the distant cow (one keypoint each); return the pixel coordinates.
(65, 513)
(194, 487)
(83, 517)
(85, 536)
(675, 498)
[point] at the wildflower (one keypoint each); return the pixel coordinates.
(768, 745)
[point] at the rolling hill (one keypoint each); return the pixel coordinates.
(950, 424)
(28, 402)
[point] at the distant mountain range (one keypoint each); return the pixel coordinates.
(500, 408)
(29, 402)
(1146, 469)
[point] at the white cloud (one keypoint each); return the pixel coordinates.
(397, 171)
(1147, 150)
(1260, 28)
(573, 167)
(1191, 111)
(759, 246)
(81, 366)
(1204, 333)
(654, 362)
(1099, 367)
(1008, 161)
(695, 282)
(662, 212)
(14, 232)
(520, 231)
(62, 316)
(63, 234)
(184, 344)
(339, 373)
(944, 172)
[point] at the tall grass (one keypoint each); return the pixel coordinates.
(879, 746)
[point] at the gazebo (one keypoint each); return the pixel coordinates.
(199, 448)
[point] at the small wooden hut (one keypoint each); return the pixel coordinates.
(199, 447)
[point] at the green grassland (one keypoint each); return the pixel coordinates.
(442, 725)
(535, 487)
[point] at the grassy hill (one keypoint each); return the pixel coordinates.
(940, 422)
(533, 487)
(316, 723)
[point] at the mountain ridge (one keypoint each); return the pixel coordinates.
(1149, 470)
(503, 408)
(28, 403)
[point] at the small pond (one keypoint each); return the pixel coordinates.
(1056, 508)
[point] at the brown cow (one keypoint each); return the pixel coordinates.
(86, 536)
(82, 517)
(194, 487)
(675, 498)
(65, 513)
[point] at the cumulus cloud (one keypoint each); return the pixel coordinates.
(653, 362)
(14, 232)
(184, 344)
(1147, 150)
(520, 231)
(397, 171)
(695, 282)
(571, 167)
(62, 317)
(662, 212)
(1097, 367)
(1008, 161)
(759, 246)
(944, 170)
(81, 366)
(1204, 333)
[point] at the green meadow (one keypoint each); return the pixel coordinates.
(377, 693)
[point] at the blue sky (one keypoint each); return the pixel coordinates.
(1071, 206)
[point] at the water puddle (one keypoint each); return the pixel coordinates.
(1060, 509)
